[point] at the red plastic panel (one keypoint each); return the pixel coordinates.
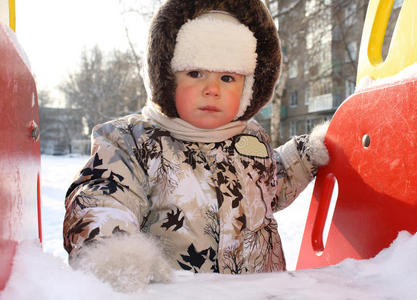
(372, 141)
(7, 250)
(19, 154)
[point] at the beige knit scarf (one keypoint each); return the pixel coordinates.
(183, 130)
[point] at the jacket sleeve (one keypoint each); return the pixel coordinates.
(110, 193)
(295, 170)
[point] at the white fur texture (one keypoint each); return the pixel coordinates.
(128, 263)
(246, 97)
(319, 153)
(215, 42)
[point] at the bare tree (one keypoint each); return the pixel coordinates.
(104, 88)
(137, 15)
(276, 107)
(275, 123)
(44, 98)
(143, 9)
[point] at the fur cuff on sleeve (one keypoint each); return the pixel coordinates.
(318, 151)
(127, 262)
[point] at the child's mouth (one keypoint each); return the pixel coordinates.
(209, 108)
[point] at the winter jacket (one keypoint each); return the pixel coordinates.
(211, 205)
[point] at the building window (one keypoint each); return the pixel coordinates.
(293, 69)
(319, 30)
(294, 41)
(337, 34)
(321, 87)
(294, 99)
(349, 87)
(350, 14)
(309, 125)
(293, 128)
(351, 52)
(325, 60)
(398, 3)
(306, 67)
(307, 96)
(284, 50)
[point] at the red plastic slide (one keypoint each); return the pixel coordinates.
(372, 141)
(19, 153)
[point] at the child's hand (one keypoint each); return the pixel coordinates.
(127, 262)
(319, 153)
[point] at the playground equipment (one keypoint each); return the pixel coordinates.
(372, 141)
(20, 217)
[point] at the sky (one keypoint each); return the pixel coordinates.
(53, 34)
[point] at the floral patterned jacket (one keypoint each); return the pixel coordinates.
(210, 204)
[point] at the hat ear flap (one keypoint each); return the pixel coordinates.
(246, 97)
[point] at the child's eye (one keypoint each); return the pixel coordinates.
(227, 78)
(194, 74)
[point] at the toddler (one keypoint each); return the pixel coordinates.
(192, 182)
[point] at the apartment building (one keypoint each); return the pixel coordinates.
(320, 42)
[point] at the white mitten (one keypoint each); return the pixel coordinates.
(127, 262)
(319, 153)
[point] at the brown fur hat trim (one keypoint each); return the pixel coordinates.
(162, 37)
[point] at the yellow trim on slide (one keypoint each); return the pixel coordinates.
(12, 15)
(403, 49)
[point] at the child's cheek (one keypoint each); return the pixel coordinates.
(184, 99)
(236, 100)
(188, 92)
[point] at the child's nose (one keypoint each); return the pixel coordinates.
(212, 87)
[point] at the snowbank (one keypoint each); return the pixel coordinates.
(392, 274)
(406, 74)
(44, 274)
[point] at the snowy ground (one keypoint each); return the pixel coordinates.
(44, 274)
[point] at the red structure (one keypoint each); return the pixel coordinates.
(19, 153)
(372, 142)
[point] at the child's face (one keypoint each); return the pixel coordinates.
(208, 99)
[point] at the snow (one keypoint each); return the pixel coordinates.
(57, 174)
(406, 74)
(44, 274)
